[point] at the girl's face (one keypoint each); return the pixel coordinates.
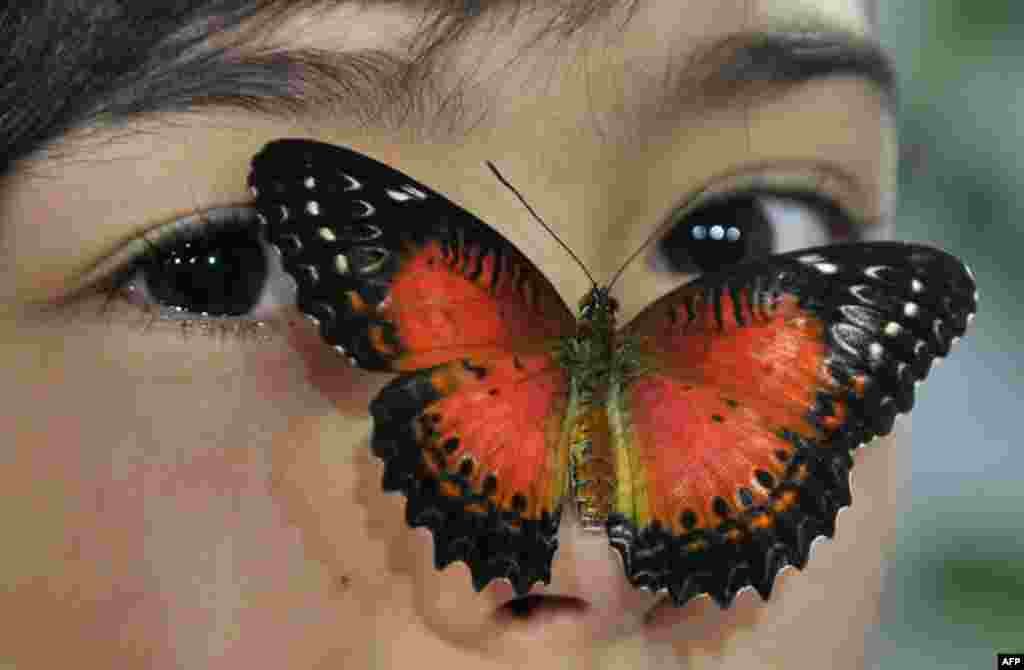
(179, 494)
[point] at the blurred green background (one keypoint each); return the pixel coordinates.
(955, 589)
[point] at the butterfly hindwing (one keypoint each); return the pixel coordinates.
(760, 380)
(400, 279)
(479, 448)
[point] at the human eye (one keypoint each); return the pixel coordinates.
(760, 217)
(209, 273)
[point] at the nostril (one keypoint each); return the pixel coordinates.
(526, 606)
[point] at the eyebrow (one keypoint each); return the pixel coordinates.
(743, 65)
(381, 88)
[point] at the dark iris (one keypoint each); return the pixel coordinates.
(219, 273)
(719, 234)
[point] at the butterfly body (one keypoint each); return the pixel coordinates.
(598, 362)
(710, 437)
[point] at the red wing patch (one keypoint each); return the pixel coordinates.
(467, 302)
(770, 360)
(705, 458)
(479, 448)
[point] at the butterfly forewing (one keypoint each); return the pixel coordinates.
(762, 378)
(400, 279)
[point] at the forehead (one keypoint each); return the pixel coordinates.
(467, 62)
(442, 68)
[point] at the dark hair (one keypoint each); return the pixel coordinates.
(68, 64)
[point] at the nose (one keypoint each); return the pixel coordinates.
(589, 598)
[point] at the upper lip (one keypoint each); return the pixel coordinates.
(603, 613)
(526, 606)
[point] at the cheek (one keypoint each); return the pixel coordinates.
(321, 474)
(307, 362)
(173, 517)
(74, 566)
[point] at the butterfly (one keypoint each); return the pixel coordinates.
(710, 437)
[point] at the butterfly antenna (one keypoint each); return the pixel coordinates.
(629, 260)
(540, 220)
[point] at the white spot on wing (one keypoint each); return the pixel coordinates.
(875, 350)
(313, 208)
(368, 209)
(859, 292)
(326, 234)
(341, 264)
(310, 183)
(892, 329)
(811, 258)
(916, 285)
(911, 310)
(398, 196)
(874, 271)
(414, 192)
(826, 268)
(842, 343)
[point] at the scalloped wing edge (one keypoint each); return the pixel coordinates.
(499, 544)
(721, 568)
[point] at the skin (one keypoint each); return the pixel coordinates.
(206, 502)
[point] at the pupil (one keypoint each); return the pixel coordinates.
(718, 235)
(222, 273)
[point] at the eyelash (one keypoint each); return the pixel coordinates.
(205, 226)
(750, 215)
(199, 228)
